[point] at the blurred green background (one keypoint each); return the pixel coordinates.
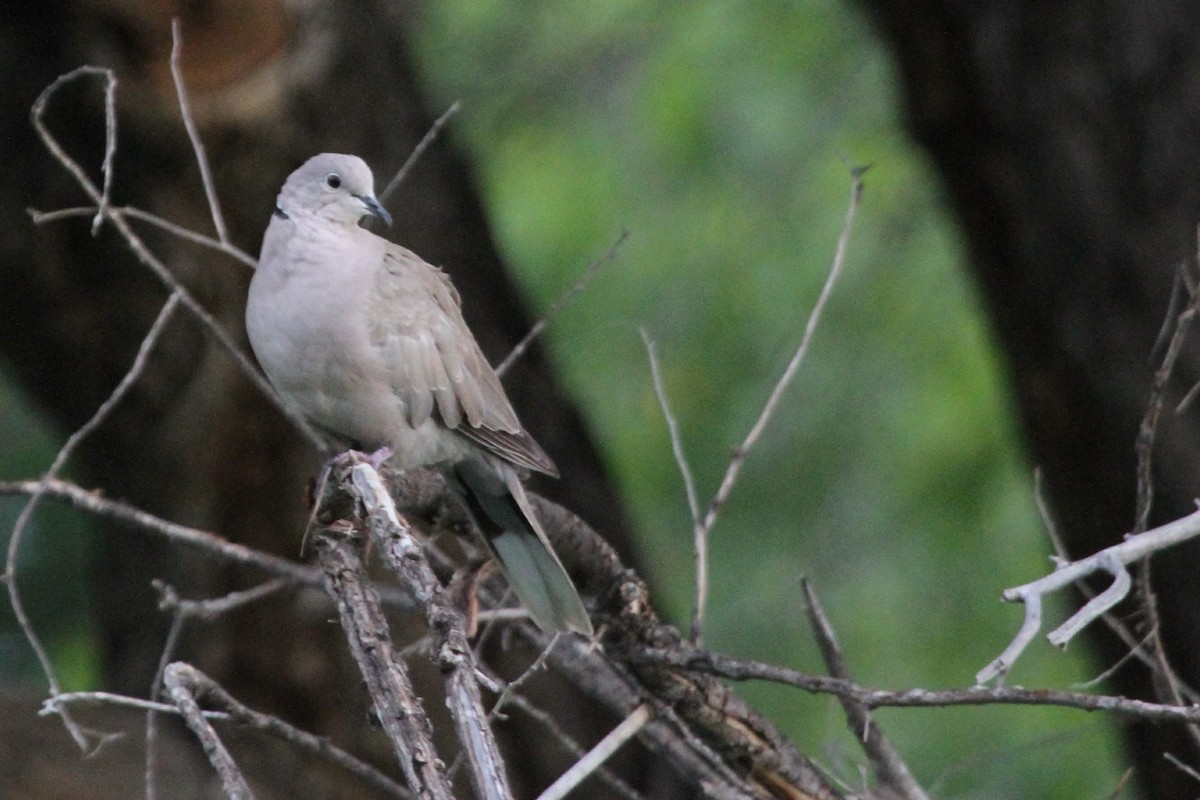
(718, 134)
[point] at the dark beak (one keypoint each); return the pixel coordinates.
(375, 209)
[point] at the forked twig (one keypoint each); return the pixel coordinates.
(35, 498)
(704, 526)
(179, 682)
(148, 259)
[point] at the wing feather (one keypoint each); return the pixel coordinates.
(436, 365)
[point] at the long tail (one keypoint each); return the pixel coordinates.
(502, 511)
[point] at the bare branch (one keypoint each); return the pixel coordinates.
(710, 663)
(419, 151)
(447, 627)
(1112, 560)
(189, 124)
(396, 705)
(603, 750)
(40, 489)
(182, 534)
(179, 680)
(562, 738)
(110, 150)
(565, 298)
(149, 260)
(699, 533)
(739, 455)
(228, 248)
(890, 768)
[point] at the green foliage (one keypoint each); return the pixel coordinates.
(719, 135)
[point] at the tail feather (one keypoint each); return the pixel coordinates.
(516, 539)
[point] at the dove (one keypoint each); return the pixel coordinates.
(368, 342)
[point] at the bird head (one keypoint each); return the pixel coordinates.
(335, 187)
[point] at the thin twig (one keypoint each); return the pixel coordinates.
(178, 680)
(419, 151)
(149, 260)
(889, 766)
(180, 534)
(699, 539)
(40, 488)
(1166, 683)
(1182, 767)
(53, 705)
(189, 124)
(110, 150)
(739, 455)
(559, 736)
(214, 694)
(514, 686)
(164, 660)
(708, 662)
(133, 212)
(603, 750)
(563, 300)
(233, 711)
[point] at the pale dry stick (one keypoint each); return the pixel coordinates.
(53, 705)
(22, 522)
(396, 704)
(110, 151)
(722, 666)
(133, 212)
(419, 151)
(1112, 560)
(613, 684)
(179, 679)
(507, 693)
(739, 455)
(214, 694)
(689, 483)
(889, 766)
(564, 740)
(233, 711)
(149, 260)
(1137, 648)
(183, 610)
(557, 306)
(699, 538)
(1182, 767)
(189, 124)
(93, 503)
(150, 776)
(596, 757)
(451, 648)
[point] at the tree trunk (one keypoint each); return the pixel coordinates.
(1068, 139)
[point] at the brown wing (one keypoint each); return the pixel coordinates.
(436, 365)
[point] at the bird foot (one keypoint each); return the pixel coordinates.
(377, 458)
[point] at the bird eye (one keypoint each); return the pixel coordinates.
(333, 180)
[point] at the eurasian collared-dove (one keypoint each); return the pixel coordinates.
(369, 342)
